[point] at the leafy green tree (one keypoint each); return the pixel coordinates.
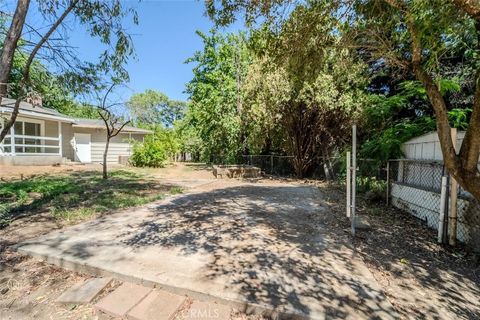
(153, 107)
(53, 90)
(416, 36)
(102, 20)
(307, 86)
(216, 102)
(409, 35)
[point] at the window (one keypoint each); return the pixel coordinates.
(24, 144)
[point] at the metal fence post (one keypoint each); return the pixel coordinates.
(349, 183)
(354, 175)
(443, 202)
(388, 184)
(271, 164)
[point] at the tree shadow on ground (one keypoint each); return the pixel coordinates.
(268, 243)
(53, 200)
(422, 278)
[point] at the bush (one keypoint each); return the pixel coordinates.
(150, 153)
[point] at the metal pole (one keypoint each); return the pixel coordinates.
(453, 199)
(271, 164)
(349, 183)
(441, 217)
(388, 184)
(354, 174)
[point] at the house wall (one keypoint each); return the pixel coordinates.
(427, 147)
(416, 185)
(18, 160)
(68, 142)
(119, 145)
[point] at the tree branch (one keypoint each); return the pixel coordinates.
(26, 69)
(435, 97)
(471, 7)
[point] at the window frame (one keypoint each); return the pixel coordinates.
(23, 120)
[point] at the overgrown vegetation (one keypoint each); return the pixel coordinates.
(149, 153)
(298, 79)
(76, 196)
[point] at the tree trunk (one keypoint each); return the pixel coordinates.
(26, 69)
(10, 44)
(462, 167)
(105, 154)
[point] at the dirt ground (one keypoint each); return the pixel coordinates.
(29, 287)
(254, 242)
(421, 279)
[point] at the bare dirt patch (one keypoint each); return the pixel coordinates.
(29, 287)
(422, 279)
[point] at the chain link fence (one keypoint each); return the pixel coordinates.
(415, 186)
(271, 164)
(410, 185)
(277, 165)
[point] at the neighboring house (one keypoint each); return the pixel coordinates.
(43, 136)
(416, 184)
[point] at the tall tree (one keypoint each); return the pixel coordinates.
(102, 19)
(314, 87)
(154, 107)
(215, 95)
(413, 35)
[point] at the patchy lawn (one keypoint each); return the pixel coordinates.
(51, 201)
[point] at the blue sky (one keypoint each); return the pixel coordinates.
(164, 39)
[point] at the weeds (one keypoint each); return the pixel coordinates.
(76, 196)
(176, 190)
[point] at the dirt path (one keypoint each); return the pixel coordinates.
(258, 243)
(421, 279)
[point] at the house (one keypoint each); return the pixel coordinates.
(416, 181)
(43, 136)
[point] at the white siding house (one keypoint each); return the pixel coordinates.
(416, 185)
(43, 136)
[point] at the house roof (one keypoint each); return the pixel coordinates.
(27, 109)
(99, 124)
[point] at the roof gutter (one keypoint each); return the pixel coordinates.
(125, 130)
(38, 115)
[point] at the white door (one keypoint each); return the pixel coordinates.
(83, 148)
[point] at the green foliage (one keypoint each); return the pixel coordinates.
(176, 190)
(54, 92)
(150, 153)
(215, 95)
(153, 107)
(391, 121)
(459, 117)
(386, 144)
(187, 136)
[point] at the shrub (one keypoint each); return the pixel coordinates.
(150, 153)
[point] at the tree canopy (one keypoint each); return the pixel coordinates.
(154, 107)
(422, 64)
